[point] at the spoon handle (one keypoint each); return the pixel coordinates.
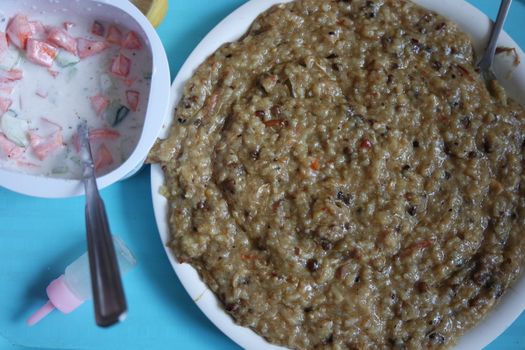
(108, 293)
(488, 56)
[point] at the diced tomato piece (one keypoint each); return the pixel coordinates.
(114, 35)
(18, 31)
(97, 28)
(38, 31)
(61, 38)
(132, 41)
(44, 146)
(103, 133)
(103, 157)
(3, 43)
(6, 89)
(9, 148)
(89, 47)
(41, 53)
(7, 76)
(5, 103)
(133, 99)
(68, 25)
(121, 65)
(99, 103)
(96, 134)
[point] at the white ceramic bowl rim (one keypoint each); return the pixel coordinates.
(40, 186)
(231, 28)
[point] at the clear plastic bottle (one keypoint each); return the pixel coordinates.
(71, 289)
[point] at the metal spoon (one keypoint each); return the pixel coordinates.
(108, 294)
(485, 64)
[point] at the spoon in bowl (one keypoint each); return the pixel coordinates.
(108, 293)
(485, 64)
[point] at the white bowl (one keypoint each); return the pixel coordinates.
(231, 28)
(124, 12)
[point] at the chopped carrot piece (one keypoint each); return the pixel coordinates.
(249, 257)
(88, 48)
(40, 52)
(99, 103)
(61, 38)
(121, 65)
(114, 35)
(315, 165)
(132, 41)
(133, 99)
(18, 31)
(103, 158)
(276, 122)
(97, 28)
(44, 146)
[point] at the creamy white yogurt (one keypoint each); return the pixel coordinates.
(54, 100)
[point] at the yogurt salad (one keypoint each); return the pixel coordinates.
(56, 72)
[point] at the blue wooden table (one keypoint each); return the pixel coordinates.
(39, 237)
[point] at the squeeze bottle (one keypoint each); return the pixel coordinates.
(71, 289)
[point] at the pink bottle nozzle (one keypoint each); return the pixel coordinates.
(40, 313)
(60, 297)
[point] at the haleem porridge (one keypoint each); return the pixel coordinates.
(341, 177)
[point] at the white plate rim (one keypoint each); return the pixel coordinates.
(230, 29)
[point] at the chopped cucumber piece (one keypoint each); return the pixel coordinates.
(122, 113)
(116, 113)
(66, 59)
(15, 129)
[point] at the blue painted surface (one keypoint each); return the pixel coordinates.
(39, 237)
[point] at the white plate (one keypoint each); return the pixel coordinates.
(230, 29)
